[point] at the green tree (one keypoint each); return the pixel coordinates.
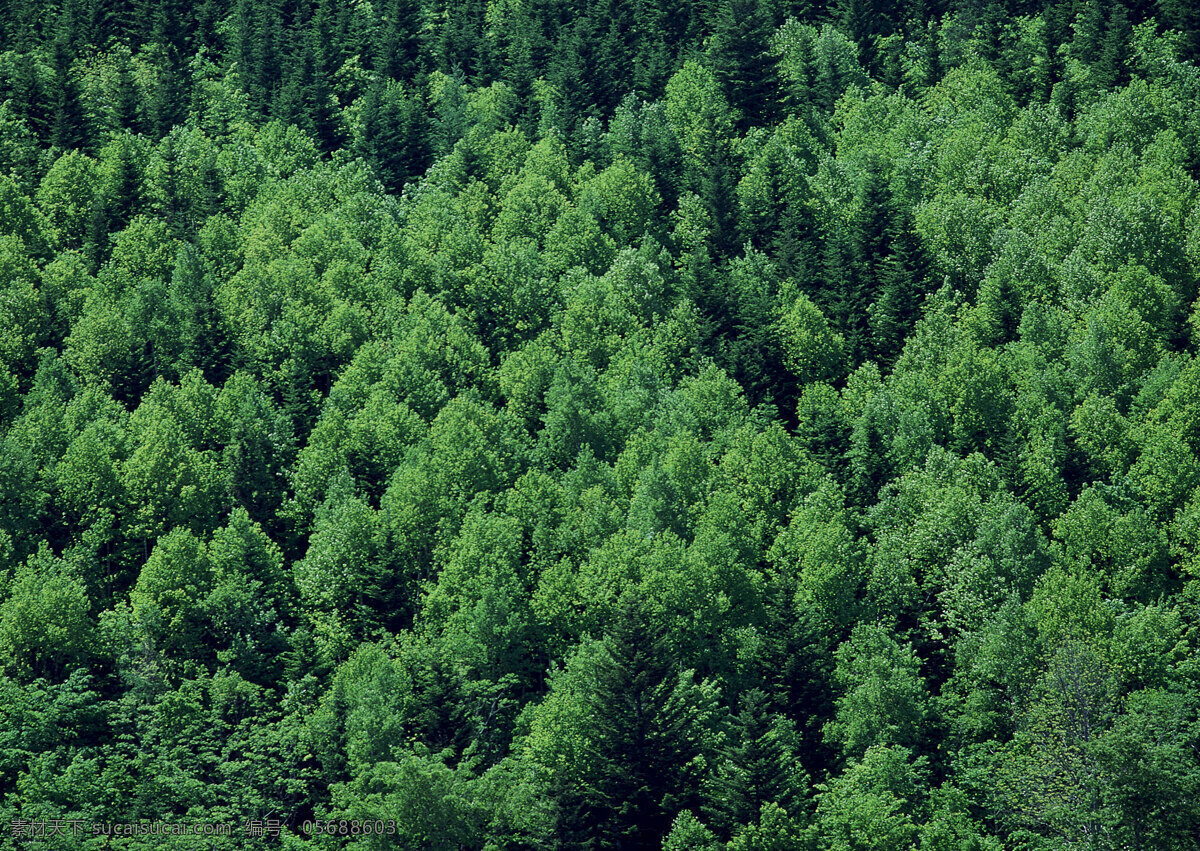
(812, 350)
(703, 121)
(759, 767)
(252, 600)
(885, 701)
(1052, 779)
(345, 588)
(739, 52)
(775, 210)
(481, 598)
(642, 726)
(168, 599)
(45, 623)
(875, 804)
(66, 195)
(391, 133)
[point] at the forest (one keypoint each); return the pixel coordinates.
(529, 424)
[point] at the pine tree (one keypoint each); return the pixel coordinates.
(392, 134)
(872, 245)
(21, 25)
(450, 121)
(567, 68)
(646, 737)
(397, 54)
(641, 133)
(842, 292)
(121, 108)
(864, 21)
(27, 95)
(1184, 16)
(121, 22)
(902, 284)
(118, 199)
(261, 44)
(318, 96)
(717, 188)
(458, 45)
(1111, 69)
(202, 341)
(759, 766)
(741, 56)
(651, 49)
(68, 123)
(872, 252)
(75, 29)
(609, 80)
(206, 33)
(1088, 28)
(168, 99)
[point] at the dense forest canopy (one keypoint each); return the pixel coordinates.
(750, 425)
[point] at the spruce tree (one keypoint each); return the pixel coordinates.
(566, 70)
(1088, 28)
(117, 201)
(864, 21)
(1183, 16)
(27, 95)
(397, 55)
(872, 253)
(392, 134)
(645, 736)
(68, 123)
(759, 766)
(1110, 68)
(741, 56)
(651, 48)
(842, 292)
(902, 284)
(458, 45)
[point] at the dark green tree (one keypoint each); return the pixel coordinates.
(642, 720)
(740, 53)
(392, 134)
(759, 766)
(398, 54)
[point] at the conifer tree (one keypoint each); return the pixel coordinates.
(843, 293)
(739, 51)
(901, 282)
(68, 128)
(26, 93)
(864, 21)
(203, 342)
(650, 48)
(1183, 16)
(759, 766)
(392, 134)
(646, 736)
(1110, 68)
(458, 45)
(118, 199)
(397, 54)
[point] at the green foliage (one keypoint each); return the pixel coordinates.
(812, 350)
(340, 577)
(758, 772)
(884, 700)
(875, 804)
(45, 626)
(754, 425)
(628, 733)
